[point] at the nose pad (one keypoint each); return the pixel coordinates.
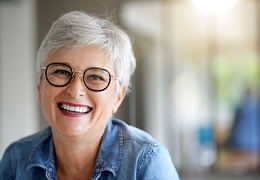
(80, 79)
(76, 87)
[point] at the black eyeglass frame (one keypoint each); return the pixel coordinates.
(72, 77)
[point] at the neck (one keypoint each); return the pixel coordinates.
(74, 159)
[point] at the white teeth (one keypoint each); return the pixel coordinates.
(78, 109)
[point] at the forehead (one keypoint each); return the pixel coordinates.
(82, 57)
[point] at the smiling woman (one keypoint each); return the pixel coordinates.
(84, 66)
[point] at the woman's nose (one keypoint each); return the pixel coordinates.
(77, 88)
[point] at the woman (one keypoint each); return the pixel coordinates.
(84, 66)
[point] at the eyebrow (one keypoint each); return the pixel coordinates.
(84, 69)
(62, 63)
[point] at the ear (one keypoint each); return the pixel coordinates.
(119, 98)
(39, 94)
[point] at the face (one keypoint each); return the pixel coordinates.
(90, 110)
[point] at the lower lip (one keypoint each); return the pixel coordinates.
(70, 114)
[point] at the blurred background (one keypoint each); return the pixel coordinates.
(196, 85)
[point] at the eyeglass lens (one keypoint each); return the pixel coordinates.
(96, 79)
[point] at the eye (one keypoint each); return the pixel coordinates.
(61, 73)
(94, 78)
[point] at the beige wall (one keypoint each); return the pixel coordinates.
(18, 102)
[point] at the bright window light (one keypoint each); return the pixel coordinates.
(217, 7)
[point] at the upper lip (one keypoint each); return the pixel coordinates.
(79, 108)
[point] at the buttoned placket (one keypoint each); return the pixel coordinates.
(50, 171)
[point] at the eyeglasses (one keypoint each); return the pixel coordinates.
(94, 78)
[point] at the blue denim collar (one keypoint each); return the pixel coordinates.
(108, 159)
(43, 155)
(110, 152)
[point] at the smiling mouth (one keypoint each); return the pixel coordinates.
(74, 109)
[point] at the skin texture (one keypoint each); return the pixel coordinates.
(77, 137)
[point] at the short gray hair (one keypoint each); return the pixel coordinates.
(78, 29)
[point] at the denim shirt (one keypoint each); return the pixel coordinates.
(125, 153)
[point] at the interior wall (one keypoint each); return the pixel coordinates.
(18, 101)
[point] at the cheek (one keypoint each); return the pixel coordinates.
(45, 102)
(43, 95)
(47, 98)
(104, 101)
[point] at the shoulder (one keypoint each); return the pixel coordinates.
(23, 149)
(32, 140)
(132, 133)
(141, 144)
(150, 158)
(17, 156)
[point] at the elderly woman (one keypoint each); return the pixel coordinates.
(84, 66)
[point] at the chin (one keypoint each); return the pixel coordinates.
(72, 130)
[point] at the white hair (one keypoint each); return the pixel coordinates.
(77, 29)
